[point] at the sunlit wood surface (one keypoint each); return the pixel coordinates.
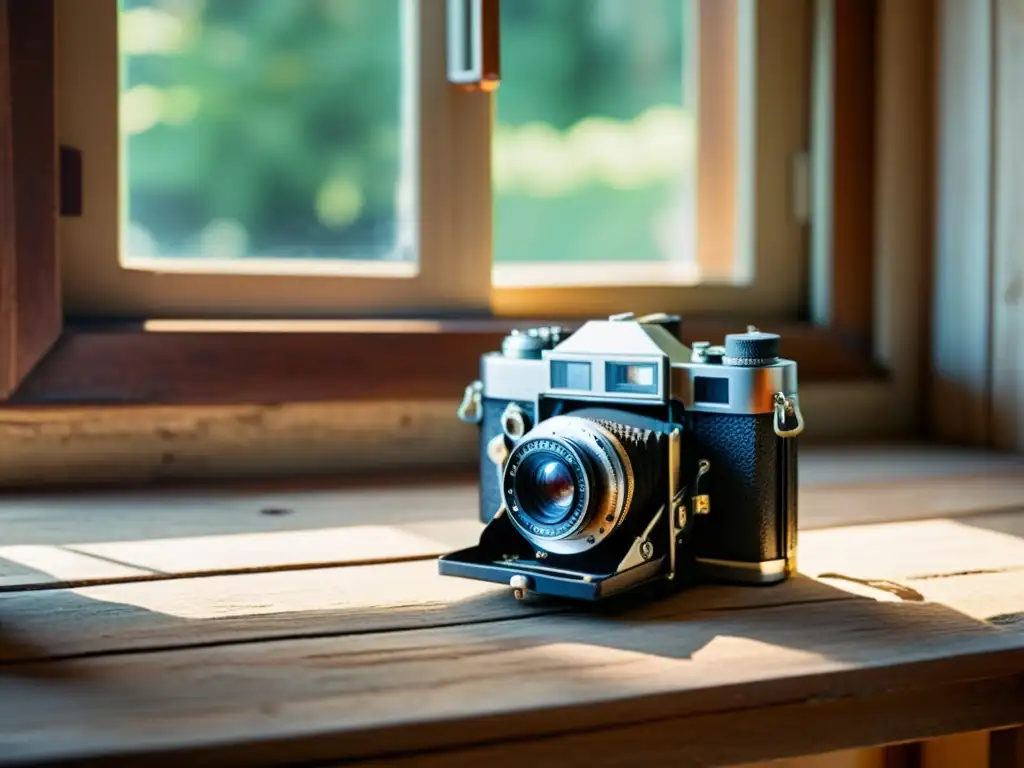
(283, 626)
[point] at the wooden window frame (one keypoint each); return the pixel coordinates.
(242, 362)
(978, 314)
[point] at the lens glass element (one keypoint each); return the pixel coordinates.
(545, 488)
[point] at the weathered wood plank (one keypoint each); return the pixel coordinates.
(74, 540)
(992, 597)
(721, 739)
(136, 515)
(29, 565)
(218, 531)
(268, 551)
(339, 601)
(851, 758)
(572, 676)
(910, 562)
(959, 750)
(899, 481)
(916, 499)
(917, 549)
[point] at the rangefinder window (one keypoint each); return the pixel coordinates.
(638, 378)
(570, 375)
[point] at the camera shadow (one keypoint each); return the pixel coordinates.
(23, 652)
(803, 614)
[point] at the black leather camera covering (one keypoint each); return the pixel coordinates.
(752, 485)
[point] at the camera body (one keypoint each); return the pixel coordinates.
(615, 455)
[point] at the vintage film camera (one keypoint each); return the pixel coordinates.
(616, 456)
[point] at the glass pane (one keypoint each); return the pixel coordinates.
(268, 128)
(594, 143)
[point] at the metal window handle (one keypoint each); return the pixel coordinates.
(474, 44)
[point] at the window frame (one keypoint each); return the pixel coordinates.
(852, 392)
(451, 229)
(30, 310)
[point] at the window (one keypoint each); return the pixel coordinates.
(311, 158)
(263, 136)
(270, 158)
(862, 189)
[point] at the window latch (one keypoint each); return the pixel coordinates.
(474, 44)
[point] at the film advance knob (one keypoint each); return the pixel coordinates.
(752, 348)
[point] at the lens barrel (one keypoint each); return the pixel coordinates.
(571, 481)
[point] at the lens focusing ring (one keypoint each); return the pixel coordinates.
(603, 478)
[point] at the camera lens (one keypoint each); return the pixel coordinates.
(545, 488)
(569, 483)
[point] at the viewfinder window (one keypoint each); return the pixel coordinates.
(639, 378)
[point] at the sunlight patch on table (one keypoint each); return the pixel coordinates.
(348, 544)
(391, 588)
(43, 564)
(623, 660)
(908, 550)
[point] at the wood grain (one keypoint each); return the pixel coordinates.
(960, 750)
(961, 331)
(853, 188)
(877, 563)
(76, 539)
(718, 226)
(919, 549)
(904, 199)
(711, 740)
(344, 697)
(75, 564)
(51, 539)
(28, 566)
(217, 610)
(8, 241)
(911, 630)
(853, 758)
(46, 448)
(1007, 417)
(43, 448)
(307, 362)
(30, 309)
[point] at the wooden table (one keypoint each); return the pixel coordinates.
(270, 628)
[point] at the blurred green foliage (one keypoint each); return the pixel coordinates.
(283, 118)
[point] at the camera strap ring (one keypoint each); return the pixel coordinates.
(787, 408)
